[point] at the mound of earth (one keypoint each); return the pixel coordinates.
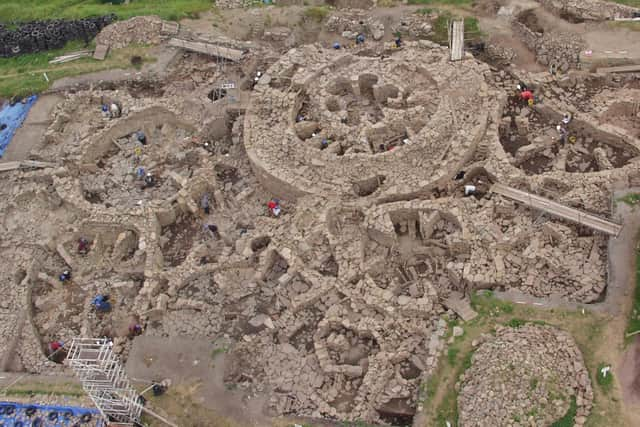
(528, 375)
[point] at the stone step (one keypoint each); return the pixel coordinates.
(461, 306)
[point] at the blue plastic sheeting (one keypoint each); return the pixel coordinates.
(12, 117)
(26, 415)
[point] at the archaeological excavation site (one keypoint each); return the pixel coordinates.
(347, 221)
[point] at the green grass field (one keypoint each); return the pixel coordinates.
(634, 3)
(24, 75)
(442, 2)
(633, 325)
(25, 10)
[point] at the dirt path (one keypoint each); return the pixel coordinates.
(31, 134)
(620, 295)
(628, 373)
(163, 55)
(188, 361)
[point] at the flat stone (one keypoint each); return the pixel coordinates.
(258, 320)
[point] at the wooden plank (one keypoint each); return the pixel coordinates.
(456, 37)
(25, 164)
(70, 57)
(9, 166)
(559, 210)
(208, 49)
(170, 28)
(101, 52)
(36, 164)
(621, 69)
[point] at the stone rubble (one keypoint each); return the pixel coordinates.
(337, 306)
(588, 10)
(136, 30)
(350, 25)
(552, 48)
(524, 376)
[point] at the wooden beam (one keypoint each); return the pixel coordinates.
(621, 69)
(208, 49)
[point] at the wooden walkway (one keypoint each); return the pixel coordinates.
(561, 211)
(234, 55)
(620, 69)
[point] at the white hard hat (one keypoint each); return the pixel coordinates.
(559, 128)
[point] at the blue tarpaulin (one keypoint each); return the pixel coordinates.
(11, 118)
(14, 414)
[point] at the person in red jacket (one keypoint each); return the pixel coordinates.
(526, 95)
(55, 346)
(274, 207)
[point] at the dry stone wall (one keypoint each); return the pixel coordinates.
(559, 49)
(317, 122)
(588, 10)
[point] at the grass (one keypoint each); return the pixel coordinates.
(442, 2)
(425, 11)
(27, 10)
(441, 27)
(633, 324)
(634, 3)
(605, 382)
(589, 330)
(533, 383)
(28, 388)
(219, 350)
(567, 420)
(515, 323)
(452, 354)
(179, 405)
(316, 13)
(23, 75)
(441, 24)
(630, 199)
(630, 25)
(39, 391)
(447, 410)
(486, 304)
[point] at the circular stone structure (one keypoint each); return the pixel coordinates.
(528, 375)
(345, 122)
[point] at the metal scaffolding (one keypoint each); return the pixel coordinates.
(104, 380)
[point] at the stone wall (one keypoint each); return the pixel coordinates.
(404, 125)
(551, 48)
(588, 10)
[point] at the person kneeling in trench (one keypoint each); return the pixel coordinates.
(149, 181)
